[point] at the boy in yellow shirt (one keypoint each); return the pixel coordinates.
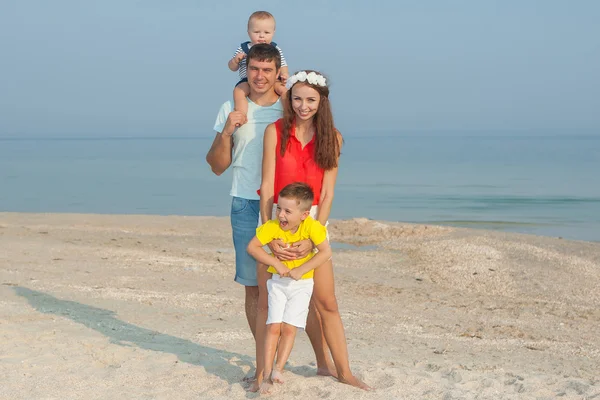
(291, 285)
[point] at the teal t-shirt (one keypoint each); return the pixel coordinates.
(246, 159)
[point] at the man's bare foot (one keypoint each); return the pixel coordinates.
(329, 371)
(354, 381)
(277, 376)
(266, 386)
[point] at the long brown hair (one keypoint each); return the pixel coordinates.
(327, 146)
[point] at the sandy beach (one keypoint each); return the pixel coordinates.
(145, 307)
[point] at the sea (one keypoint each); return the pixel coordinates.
(542, 185)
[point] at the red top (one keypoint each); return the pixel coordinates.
(297, 165)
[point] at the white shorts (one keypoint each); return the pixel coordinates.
(289, 300)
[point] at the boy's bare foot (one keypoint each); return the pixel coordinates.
(266, 386)
(354, 381)
(277, 376)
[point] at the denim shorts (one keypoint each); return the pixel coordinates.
(244, 221)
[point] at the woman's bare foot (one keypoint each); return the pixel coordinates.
(354, 381)
(328, 371)
(266, 386)
(277, 376)
(254, 386)
(249, 378)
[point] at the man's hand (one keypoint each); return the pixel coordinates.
(284, 78)
(295, 274)
(234, 120)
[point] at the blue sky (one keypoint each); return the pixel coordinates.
(151, 68)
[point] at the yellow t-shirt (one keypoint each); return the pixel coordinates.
(308, 229)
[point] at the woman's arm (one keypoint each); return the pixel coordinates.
(267, 186)
(326, 195)
(327, 190)
(267, 191)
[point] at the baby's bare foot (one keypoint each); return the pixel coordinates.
(266, 387)
(277, 376)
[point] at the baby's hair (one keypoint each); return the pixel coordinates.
(260, 15)
(300, 192)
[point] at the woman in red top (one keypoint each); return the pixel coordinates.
(304, 146)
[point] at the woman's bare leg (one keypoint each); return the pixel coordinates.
(314, 330)
(333, 329)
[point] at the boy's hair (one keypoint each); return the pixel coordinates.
(260, 15)
(300, 192)
(264, 52)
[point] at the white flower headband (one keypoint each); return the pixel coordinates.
(312, 77)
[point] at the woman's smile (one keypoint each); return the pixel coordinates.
(305, 101)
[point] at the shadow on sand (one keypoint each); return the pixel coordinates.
(221, 363)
